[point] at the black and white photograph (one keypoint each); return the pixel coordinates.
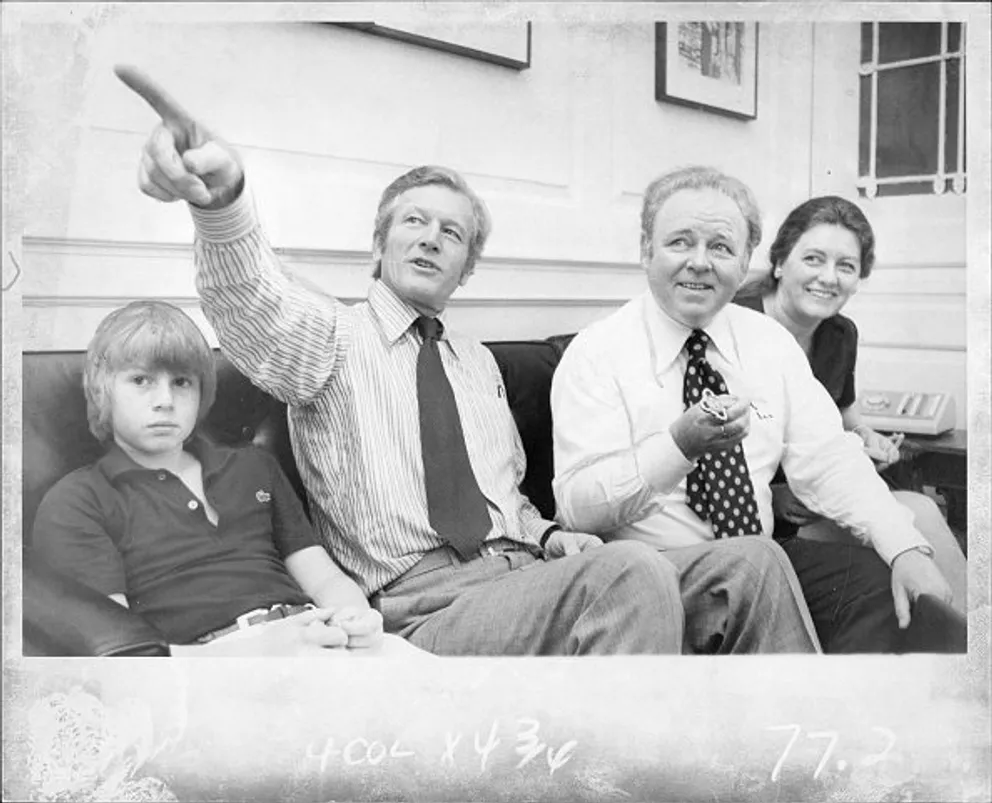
(496, 401)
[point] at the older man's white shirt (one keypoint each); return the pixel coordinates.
(618, 472)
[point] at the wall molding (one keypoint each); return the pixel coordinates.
(107, 302)
(368, 172)
(79, 271)
(158, 249)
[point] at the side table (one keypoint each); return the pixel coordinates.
(939, 462)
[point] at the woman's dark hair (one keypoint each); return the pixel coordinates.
(826, 210)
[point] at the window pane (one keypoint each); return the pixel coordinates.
(951, 124)
(953, 36)
(864, 123)
(907, 40)
(866, 28)
(908, 99)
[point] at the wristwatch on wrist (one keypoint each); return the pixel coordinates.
(547, 534)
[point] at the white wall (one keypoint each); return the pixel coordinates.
(912, 311)
(325, 117)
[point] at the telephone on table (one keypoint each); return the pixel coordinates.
(911, 412)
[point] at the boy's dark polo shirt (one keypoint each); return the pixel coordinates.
(122, 528)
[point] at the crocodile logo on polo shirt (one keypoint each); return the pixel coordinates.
(263, 496)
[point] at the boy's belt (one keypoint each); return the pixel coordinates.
(256, 617)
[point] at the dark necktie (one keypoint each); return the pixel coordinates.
(455, 505)
(719, 487)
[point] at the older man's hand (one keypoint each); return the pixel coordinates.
(913, 574)
(182, 159)
(562, 543)
(697, 432)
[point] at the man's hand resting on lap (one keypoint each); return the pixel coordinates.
(913, 573)
(562, 543)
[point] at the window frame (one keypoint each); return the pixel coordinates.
(868, 185)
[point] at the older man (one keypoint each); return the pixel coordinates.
(404, 438)
(672, 415)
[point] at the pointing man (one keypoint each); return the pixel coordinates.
(404, 439)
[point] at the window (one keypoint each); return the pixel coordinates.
(912, 115)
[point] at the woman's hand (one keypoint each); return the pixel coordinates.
(787, 506)
(884, 451)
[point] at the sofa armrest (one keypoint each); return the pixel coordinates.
(62, 617)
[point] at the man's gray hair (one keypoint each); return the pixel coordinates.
(698, 177)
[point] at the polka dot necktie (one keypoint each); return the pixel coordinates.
(455, 505)
(719, 488)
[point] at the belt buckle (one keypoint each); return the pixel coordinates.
(505, 547)
(245, 620)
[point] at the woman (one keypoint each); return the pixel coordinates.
(820, 254)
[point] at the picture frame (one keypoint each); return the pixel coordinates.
(708, 65)
(507, 45)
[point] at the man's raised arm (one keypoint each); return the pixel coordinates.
(280, 334)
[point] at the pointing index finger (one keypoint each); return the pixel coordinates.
(155, 96)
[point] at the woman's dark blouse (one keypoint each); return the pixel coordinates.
(832, 356)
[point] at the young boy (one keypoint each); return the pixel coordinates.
(202, 541)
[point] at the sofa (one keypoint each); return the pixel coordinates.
(62, 617)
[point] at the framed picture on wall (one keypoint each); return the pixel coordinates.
(507, 45)
(708, 65)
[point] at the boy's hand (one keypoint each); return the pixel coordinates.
(362, 627)
(310, 633)
(182, 159)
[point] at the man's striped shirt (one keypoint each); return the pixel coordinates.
(348, 374)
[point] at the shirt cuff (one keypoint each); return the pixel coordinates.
(227, 224)
(660, 462)
(889, 546)
(926, 549)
